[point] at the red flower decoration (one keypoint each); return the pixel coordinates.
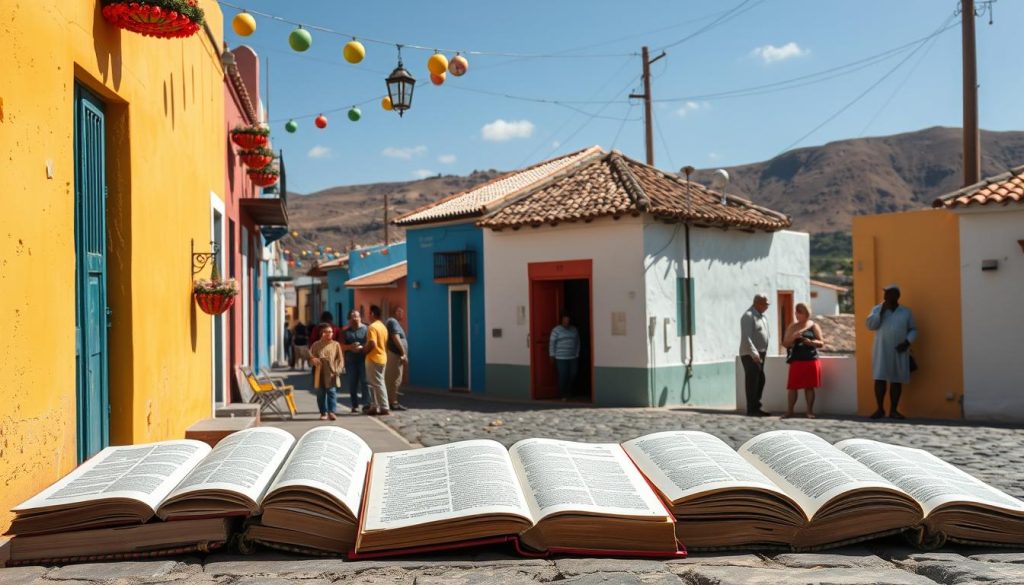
(151, 21)
(214, 304)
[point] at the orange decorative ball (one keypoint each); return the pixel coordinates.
(437, 79)
(437, 64)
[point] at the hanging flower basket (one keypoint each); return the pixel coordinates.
(250, 137)
(167, 19)
(256, 158)
(264, 177)
(215, 296)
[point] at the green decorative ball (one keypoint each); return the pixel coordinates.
(300, 40)
(291, 126)
(354, 114)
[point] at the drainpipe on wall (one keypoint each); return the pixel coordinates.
(686, 290)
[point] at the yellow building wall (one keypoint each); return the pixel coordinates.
(920, 251)
(165, 155)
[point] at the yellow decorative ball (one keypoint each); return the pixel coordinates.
(244, 24)
(385, 103)
(354, 52)
(437, 64)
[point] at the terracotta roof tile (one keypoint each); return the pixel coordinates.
(380, 278)
(613, 185)
(1001, 189)
(476, 200)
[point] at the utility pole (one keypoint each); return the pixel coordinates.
(972, 137)
(646, 95)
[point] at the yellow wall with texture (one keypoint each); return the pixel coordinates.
(920, 251)
(165, 153)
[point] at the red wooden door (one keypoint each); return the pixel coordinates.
(545, 304)
(785, 307)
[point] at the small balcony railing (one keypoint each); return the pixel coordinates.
(455, 267)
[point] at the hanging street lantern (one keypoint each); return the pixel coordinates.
(400, 86)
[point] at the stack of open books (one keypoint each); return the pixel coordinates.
(328, 494)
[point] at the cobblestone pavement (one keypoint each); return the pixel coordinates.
(993, 454)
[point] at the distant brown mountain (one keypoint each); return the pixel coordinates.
(821, 187)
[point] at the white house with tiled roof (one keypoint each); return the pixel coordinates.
(960, 267)
(445, 276)
(616, 243)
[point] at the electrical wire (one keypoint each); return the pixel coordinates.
(621, 126)
(896, 91)
(869, 89)
(838, 71)
(591, 117)
(729, 15)
(423, 47)
(664, 143)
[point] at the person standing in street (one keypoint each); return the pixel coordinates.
(754, 335)
(354, 344)
(564, 349)
(398, 357)
(376, 362)
(802, 339)
(895, 330)
(325, 355)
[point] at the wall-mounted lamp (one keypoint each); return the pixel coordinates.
(416, 284)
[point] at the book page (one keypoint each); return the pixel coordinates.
(331, 459)
(808, 468)
(684, 463)
(597, 478)
(441, 483)
(243, 462)
(930, 480)
(146, 473)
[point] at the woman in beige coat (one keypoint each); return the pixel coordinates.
(326, 357)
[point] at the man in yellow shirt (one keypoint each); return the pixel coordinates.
(376, 361)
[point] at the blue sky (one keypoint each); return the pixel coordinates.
(454, 129)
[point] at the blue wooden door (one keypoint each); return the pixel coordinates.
(91, 312)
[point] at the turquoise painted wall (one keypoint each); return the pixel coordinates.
(428, 305)
(337, 293)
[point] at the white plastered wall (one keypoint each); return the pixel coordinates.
(826, 302)
(615, 246)
(729, 267)
(992, 317)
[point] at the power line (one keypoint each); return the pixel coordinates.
(621, 126)
(591, 117)
(664, 143)
(726, 17)
(423, 47)
(825, 74)
(866, 91)
(930, 44)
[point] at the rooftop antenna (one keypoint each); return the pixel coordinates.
(719, 181)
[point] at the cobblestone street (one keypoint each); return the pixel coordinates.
(992, 453)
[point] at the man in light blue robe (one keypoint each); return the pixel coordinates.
(895, 330)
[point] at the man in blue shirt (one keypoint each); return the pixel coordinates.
(564, 349)
(754, 335)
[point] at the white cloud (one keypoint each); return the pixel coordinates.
(446, 159)
(771, 53)
(691, 106)
(713, 156)
(500, 130)
(423, 173)
(405, 152)
(319, 152)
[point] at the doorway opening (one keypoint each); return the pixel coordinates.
(459, 351)
(785, 308)
(558, 288)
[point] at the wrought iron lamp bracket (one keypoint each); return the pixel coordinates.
(201, 259)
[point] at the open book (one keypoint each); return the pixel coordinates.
(133, 485)
(544, 495)
(794, 489)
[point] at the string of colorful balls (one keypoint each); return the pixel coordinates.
(317, 253)
(300, 40)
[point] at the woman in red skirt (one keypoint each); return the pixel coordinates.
(802, 339)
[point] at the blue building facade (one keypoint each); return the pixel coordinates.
(340, 298)
(446, 314)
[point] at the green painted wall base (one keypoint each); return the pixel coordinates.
(711, 385)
